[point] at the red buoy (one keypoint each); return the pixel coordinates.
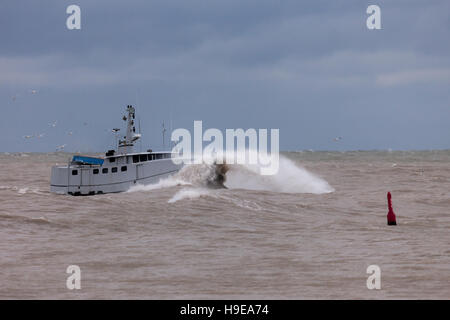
(391, 221)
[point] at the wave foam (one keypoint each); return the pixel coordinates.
(290, 178)
(164, 183)
(190, 194)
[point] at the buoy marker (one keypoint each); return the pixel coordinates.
(391, 220)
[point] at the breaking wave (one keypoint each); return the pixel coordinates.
(290, 178)
(200, 180)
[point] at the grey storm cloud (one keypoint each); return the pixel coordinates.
(310, 68)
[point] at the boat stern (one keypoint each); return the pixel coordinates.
(59, 181)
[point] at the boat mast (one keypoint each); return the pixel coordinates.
(126, 145)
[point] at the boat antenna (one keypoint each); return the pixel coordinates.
(170, 130)
(116, 131)
(163, 135)
(139, 119)
(140, 141)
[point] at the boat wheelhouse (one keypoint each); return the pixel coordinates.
(117, 171)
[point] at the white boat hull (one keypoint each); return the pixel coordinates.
(98, 179)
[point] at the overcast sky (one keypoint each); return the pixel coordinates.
(309, 68)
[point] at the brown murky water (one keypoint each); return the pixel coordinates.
(283, 237)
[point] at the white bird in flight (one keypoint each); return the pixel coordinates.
(61, 147)
(53, 124)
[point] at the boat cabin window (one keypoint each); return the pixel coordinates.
(124, 168)
(114, 169)
(105, 170)
(143, 157)
(112, 159)
(135, 158)
(74, 172)
(159, 156)
(96, 171)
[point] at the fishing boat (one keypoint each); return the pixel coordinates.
(117, 171)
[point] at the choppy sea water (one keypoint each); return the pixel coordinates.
(309, 232)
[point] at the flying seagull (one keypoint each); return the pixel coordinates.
(61, 147)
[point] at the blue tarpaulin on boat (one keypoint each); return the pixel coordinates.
(87, 160)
